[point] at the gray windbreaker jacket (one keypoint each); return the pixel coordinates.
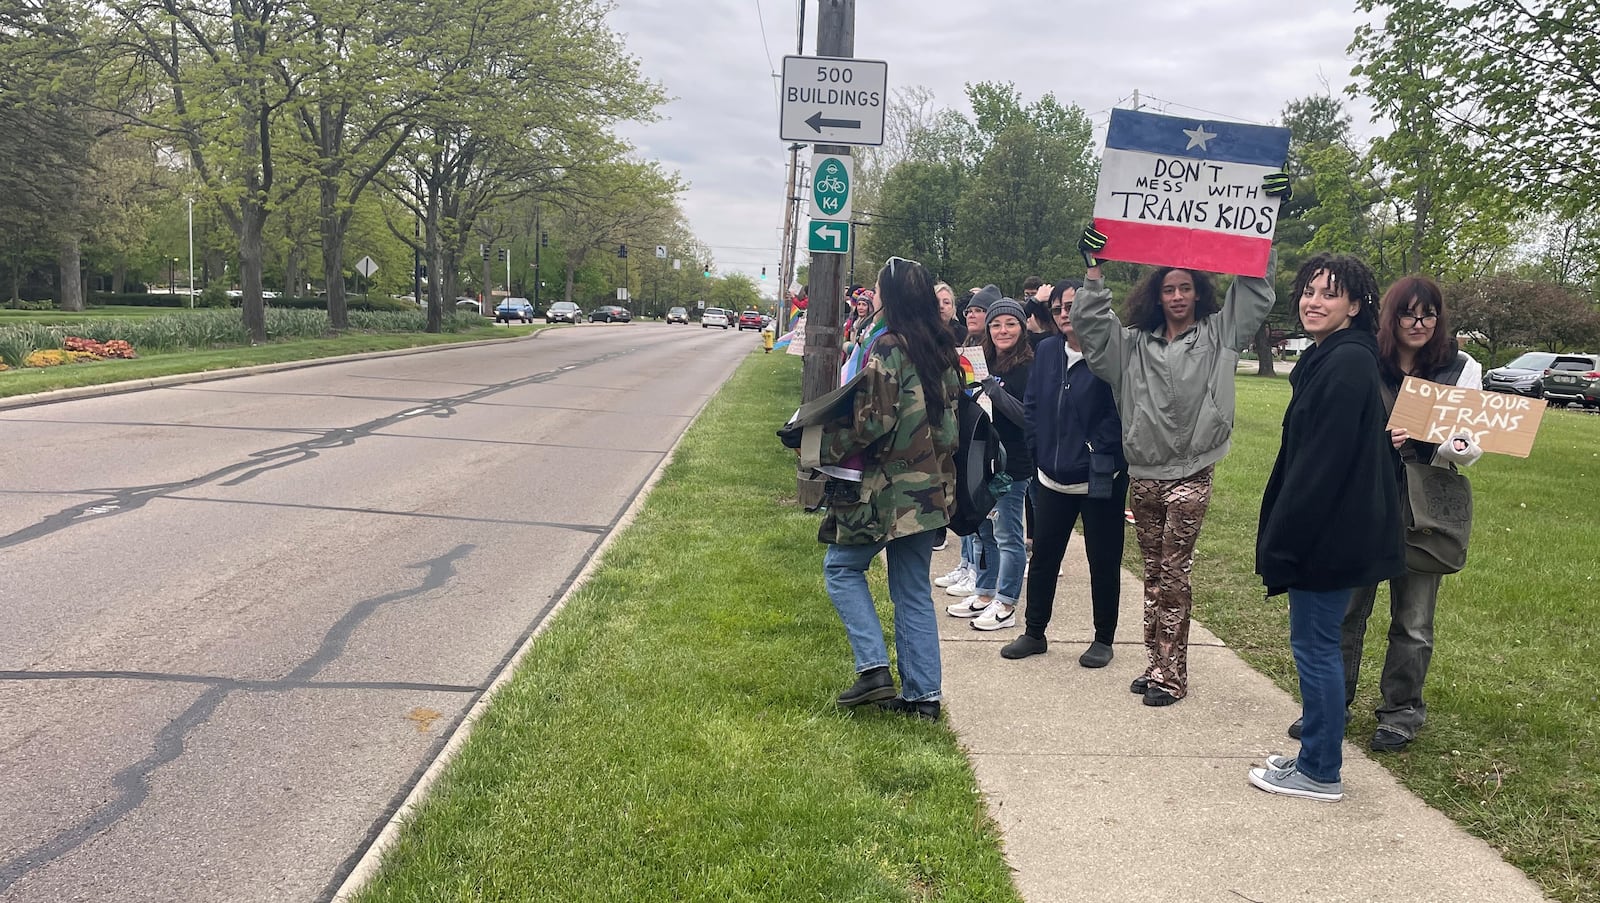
(1176, 398)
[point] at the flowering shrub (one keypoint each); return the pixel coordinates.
(52, 357)
(100, 350)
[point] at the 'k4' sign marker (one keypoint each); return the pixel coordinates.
(1187, 193)
(831, 184)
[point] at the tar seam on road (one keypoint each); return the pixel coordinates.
(131, 784)
(384, 512)
(114, 501)
(236, 683)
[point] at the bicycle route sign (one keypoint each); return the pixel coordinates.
(831, 181)
(833, 100)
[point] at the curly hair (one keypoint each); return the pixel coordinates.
(1346, 273)
(1144, 305)
(1422, 293)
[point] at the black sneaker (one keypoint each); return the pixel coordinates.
(1024, 646)
(1154, 695)
(871, 685)
(1389, 739)
(926, 710)
(1139, 685)
(1098, 655)
(1294, 729)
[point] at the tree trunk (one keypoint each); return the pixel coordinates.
(435, 258)
(291, 271)
(570, 271)
(119, 278)
(70, 262)
(252, 218)
(333, 254)
(1264, 351)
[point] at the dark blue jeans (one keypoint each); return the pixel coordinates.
(1314, 630)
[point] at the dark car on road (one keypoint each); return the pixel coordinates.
(514, 309)
(750, 320)
(678, 315)
(564, 312)
(1526, 374)
(1570, 382)
(610, 313)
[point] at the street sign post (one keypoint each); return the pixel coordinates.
(366, 266)
(832, 186)
(831, 100)
(661, 251)
(828, 237)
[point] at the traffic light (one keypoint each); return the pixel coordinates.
(483, 250)
(500, 254)
(544, 239)
(707, 272)
(763, 272)
(622, 251)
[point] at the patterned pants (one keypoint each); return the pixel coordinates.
(1167, 515)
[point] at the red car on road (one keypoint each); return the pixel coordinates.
(750, 320)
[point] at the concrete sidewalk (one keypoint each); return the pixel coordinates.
(1101, 798)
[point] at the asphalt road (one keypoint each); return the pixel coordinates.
(238, 618)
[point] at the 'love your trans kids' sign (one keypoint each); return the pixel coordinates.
(1183, 192)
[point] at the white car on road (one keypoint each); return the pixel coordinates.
(714, 316)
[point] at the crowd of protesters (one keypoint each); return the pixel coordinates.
(1107, 418)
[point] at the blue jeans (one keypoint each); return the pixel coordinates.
(1314, 629)
(969, 552)
(916, 628)
(1005, 553)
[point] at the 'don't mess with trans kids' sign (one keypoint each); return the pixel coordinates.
(1186, 192)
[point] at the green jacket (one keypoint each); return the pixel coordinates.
(1176, 398)
(908, 479)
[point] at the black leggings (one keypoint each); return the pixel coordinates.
(1054, 514)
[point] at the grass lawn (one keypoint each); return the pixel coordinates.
(1512, 745)
(60, 317)
(673, 735)
(28, 380)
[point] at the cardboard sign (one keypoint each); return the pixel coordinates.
(1499, 423)
(1185, 192)
(797, 337)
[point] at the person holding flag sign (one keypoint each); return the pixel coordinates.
(1171, 367)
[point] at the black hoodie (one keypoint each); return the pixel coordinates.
(1330, 515)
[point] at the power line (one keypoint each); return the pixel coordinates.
(771, 69)
(1174, 103)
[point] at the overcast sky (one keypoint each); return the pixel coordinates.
(1221, 59)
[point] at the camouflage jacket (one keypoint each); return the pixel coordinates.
(908, 470)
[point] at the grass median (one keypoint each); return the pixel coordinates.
(27, 381)
(673, 736)
(1512, 745)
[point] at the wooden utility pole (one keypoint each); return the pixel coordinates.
(836, 36)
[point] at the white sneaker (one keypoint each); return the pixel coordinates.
(967, 586)
(996, 617)
(970, 607)
(954, 576)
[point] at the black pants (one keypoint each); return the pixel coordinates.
(1054, 514)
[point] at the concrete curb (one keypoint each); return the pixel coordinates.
(182, 379)
(372, 859)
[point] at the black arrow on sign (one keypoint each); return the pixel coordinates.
(817, 123)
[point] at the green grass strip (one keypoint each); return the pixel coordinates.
(29, 380)
(673, 735)
(1511, 749)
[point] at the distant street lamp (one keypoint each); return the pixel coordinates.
(191, 252)
(172, 276)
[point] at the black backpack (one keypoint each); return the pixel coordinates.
(980, 460)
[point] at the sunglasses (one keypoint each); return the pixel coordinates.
(892, 262)
(1060, 308)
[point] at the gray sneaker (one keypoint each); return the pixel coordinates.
(1291, 782)
(1280, 763)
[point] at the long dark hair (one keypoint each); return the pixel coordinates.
(1440, 348)
(1349, 273)
(1144, 305)
(911, 315)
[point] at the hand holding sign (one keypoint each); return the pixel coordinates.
(1503, 424)
(1092, 243)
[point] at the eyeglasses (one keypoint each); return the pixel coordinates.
(1060, 308)
(1422, 320)
(891, 262)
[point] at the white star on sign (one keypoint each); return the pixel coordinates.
(1198, 137)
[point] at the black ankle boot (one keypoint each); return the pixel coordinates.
(927, 710)
(871, 685)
